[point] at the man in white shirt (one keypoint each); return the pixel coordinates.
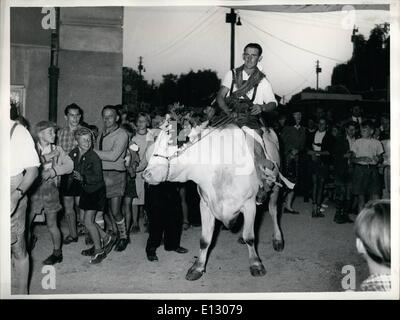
(24, 163)
(246, 93)
(367, 154)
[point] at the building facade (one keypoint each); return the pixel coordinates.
(89, 60)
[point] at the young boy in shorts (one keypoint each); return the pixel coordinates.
(54, 163)
(93, 193)
(367, 154)
(373, 242)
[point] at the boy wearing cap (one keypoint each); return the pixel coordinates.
(54, 163)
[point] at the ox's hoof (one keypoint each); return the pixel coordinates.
(278, 245)
(257, 270)
(194, 274)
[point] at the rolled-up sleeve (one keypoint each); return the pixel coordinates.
(64, 165)
(268, 93)
(118, 148)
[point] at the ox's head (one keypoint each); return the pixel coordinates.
(158, 154)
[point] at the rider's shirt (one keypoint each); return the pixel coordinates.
(264, 92)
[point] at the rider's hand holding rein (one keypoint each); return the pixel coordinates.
(256, 109)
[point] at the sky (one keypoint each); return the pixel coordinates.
(179, 39)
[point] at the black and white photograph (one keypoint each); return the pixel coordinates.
(200, 149)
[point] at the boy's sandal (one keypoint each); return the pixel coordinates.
(69, 239)
(81, 229)
(88, 252)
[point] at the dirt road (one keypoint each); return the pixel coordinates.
(315, 252)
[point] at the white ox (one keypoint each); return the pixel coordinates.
(220, 162)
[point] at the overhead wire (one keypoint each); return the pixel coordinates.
(273, 53)
(300, 85)
(188, 34)
(203, 16)
(293, 45)
(295, 20)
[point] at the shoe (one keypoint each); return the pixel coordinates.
(196, 224)
(109, 243)
(53, 259)
(98, 257)
(121, 244)
(347, 219)
(339, 216)
(179, 250)
(286, 210)
(81, 229)
(151, 256)
(88, 252)
(339, 219)
(69, 239)
(316, 213)
(88, 240)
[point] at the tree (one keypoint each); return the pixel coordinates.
(196, 89)
(168, 89)
(193, 89)
(369, 68)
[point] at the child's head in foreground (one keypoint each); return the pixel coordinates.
(372, 229)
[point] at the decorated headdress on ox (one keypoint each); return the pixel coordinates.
(160, 153)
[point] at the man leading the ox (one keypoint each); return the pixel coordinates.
(246, 93)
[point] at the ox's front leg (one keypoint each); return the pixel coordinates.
(207, 230)
(249, 212)
(277, 238)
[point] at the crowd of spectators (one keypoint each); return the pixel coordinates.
(345, 160)
(94, 176)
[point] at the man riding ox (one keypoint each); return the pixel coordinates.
(246, 93)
